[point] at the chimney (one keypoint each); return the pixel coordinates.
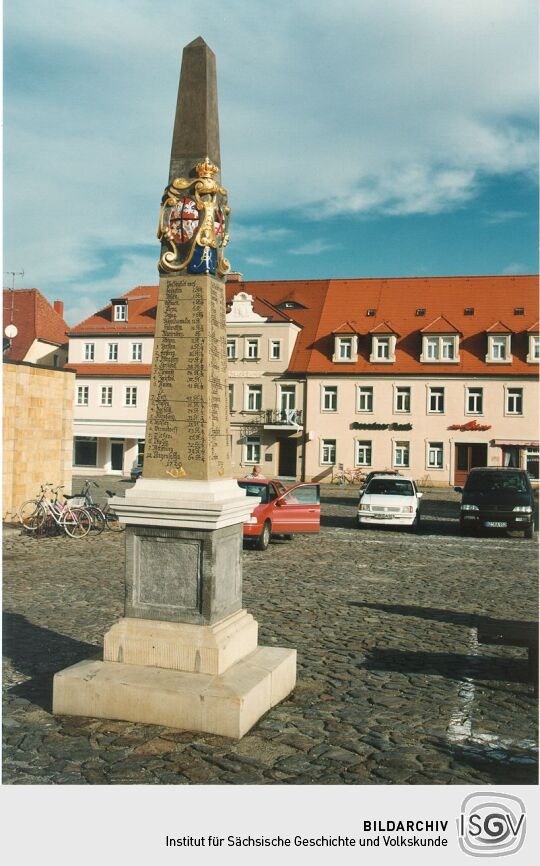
(234, 277)
(58, 307)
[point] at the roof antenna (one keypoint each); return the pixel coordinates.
(13, 274)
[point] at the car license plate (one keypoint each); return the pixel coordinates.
(495, 524)
(383, 516)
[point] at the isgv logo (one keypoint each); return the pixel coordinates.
(491, 824)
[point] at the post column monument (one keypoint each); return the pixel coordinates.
(185, 654)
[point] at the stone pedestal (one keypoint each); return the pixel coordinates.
(186, 653)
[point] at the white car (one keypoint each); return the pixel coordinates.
(389, 500)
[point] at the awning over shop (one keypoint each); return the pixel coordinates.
(515, 443)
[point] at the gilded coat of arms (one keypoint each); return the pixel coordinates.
(193, 224)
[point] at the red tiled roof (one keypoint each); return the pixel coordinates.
(346, 328)
(142, 302)
(119, 370)
(499, 328)
(324, 304)
(383, 328)
(34, 318)
(440, 325)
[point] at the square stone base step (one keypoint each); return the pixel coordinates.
(228, 704)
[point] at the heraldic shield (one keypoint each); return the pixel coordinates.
(193, 224)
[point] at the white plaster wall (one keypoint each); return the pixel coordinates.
(427, 426)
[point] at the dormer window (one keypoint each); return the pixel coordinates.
(120, 311)
(439, 348)
(534, 349)
(383, 344)
(345, 349)
(440, 342)
(383, 348)
(499, 349)
(345, 344)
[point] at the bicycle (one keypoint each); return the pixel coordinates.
(36, 515)
(84, 500)
(347, 476)
(103, 515)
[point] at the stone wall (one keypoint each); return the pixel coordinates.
(37, 431)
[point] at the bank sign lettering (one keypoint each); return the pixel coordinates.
(491, 825)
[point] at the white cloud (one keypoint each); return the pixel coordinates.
(503, 216)
(257, 260)
(402, 107)
(311, 248)
(515, 268)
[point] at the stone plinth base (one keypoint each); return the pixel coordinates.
(210, 649)
(228, 704)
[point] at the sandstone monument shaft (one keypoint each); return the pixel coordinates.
(188, 419)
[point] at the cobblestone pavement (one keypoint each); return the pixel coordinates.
(392, 685)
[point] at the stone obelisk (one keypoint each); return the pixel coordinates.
(185, 654)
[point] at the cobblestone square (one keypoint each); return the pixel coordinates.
(393, 687)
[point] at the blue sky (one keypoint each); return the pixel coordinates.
(358, 138)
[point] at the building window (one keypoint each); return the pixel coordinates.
(106, 395)
(435, 455)
(120, 313)
(82, 395)
(140, 452)
(328, 452)
(383, 349)
(231, 398)
(363, 453)
(475, 401)
(436, 400)
(252, 449)
(252, 348)
(287, 402)
(534, 349)
(130, 395)
(498, 349)
(435, 348)
(89, 351)
(402, 400)
(365, 399)
(136, 351)
(401, 454)
(514, 401)
(275, 350)
(231, 350)
(345, 349)
(329, 398)
(448, 352)
(85, 451)
(531, 456)
(254, 398)
(113, 352)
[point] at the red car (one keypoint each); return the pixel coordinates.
(281, 510)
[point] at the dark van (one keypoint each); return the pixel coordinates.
(497, 498)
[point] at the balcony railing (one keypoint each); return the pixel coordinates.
(283, 417)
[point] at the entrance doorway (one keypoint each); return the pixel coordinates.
(117, 456)
(468, 456)
(287, 458)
